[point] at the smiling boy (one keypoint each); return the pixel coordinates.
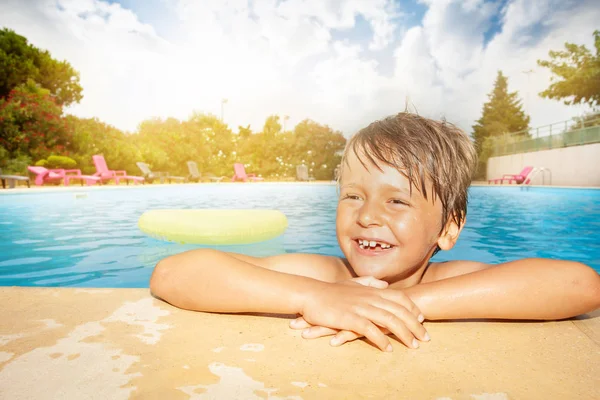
(403, 197)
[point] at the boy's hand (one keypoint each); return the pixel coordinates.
(371, 311)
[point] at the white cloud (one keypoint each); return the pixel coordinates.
(285, 57)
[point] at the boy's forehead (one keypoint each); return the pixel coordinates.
(397, 176)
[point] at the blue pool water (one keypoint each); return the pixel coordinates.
(90, 238)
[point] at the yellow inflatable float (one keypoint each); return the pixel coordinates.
(213, 227)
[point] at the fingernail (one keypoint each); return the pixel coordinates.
(389, 348)
(334, 341)
(421, 318)
(427, 338)
(415, 343)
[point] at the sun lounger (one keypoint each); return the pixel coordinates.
(12, 180)
(149, 176)
(196, 176)
(302, 173)
(44, 175)
(517, 178)
(241, 175)
(106, 174)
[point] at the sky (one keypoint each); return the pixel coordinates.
(343, 63)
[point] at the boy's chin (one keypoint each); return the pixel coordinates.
(371, 269)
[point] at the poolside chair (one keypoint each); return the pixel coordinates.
(12, 180)
(241, 175)
(196, 176)
(106, 174)
(45, 175)
(517, 178)
(302, 173)
(149, 176)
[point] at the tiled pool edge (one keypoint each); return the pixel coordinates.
(116, 343)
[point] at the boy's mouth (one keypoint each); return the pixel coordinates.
(373, 245)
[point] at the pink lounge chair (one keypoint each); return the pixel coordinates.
(105, 174)
(45, 175)
(518, 178)
(241, 175)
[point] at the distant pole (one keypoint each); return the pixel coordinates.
(223, 101)
(285, 118)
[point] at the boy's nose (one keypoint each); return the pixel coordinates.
(369, 215)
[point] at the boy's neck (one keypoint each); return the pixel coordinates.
(414, 277)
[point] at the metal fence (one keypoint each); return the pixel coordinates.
(561, 134)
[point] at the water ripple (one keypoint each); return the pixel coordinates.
(95, 242)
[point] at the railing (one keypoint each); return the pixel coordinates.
(557, 135)
(536, 172)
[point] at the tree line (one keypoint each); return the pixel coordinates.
(34, 88)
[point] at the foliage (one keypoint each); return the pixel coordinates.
(272, 126)
(41, 163)
(502, 114)
(4, 156)
(31, 123)
(90, 136)
(576, 74)
(34, 87)
(17, 165)
(21, 62)
(61, 162)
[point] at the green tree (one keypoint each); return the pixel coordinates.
(20, 62)
(162, 145)
(244, 132)
(272, 126)
(502, 114)
(91, 136)
(31, 124)
(212, 145)
(576, 73)
(318, 146)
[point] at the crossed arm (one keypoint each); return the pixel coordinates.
(317, 288)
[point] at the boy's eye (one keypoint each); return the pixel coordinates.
(351, 197)
(398, 201)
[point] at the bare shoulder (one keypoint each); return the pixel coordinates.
(449, 269)
(316, 266)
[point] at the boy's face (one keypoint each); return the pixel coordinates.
(383, 230)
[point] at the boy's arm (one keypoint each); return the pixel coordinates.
(214, 281)
(541, 289)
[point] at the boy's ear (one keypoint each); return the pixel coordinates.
(450, 235)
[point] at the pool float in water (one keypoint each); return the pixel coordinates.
(213, 227)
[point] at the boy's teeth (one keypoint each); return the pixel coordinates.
(371, 243)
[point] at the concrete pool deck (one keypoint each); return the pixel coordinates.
(123, 343)
(77, 188)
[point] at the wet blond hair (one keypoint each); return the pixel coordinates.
(423, 150)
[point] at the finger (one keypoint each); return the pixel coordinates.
(371, 282)
(342, 337)
(406, 317)
(391, 321)
(299, 323)
(317, 332)
(347, 336)
(369, 330)
(402, 299)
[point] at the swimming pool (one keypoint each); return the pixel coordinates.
(90, 238)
